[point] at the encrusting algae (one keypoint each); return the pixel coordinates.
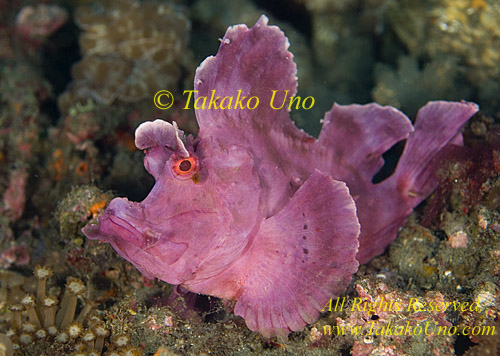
(31, 320)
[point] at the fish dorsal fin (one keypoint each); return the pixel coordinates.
(249, 63)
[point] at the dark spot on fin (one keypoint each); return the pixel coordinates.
(305, 226)
(305, 250)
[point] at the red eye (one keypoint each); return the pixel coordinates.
(185, 165)
(185, 168)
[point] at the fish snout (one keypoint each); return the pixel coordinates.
(120, 221)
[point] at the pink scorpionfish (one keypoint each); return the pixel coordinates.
(257, 211)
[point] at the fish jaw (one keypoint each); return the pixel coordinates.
(122, 225)
(117, 222)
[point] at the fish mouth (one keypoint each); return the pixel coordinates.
(120, 221)
(125, 224)
(127, 221)
(125, 230)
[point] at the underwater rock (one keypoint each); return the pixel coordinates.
(37, 23)
(409, 87)
(257, 211)
(339, 36)
(463, 29)
(14, 197)
(130, 51)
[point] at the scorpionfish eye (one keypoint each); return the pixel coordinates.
(185, 167)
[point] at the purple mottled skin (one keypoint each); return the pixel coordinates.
(256, 210)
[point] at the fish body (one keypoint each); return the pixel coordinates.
(257, 211)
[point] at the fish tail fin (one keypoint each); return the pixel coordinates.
(437, 126)
(355, 137)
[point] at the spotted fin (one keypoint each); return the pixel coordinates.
(301, 257)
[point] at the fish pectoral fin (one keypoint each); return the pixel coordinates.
(301, 257)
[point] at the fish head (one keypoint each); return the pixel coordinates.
(198, 217)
